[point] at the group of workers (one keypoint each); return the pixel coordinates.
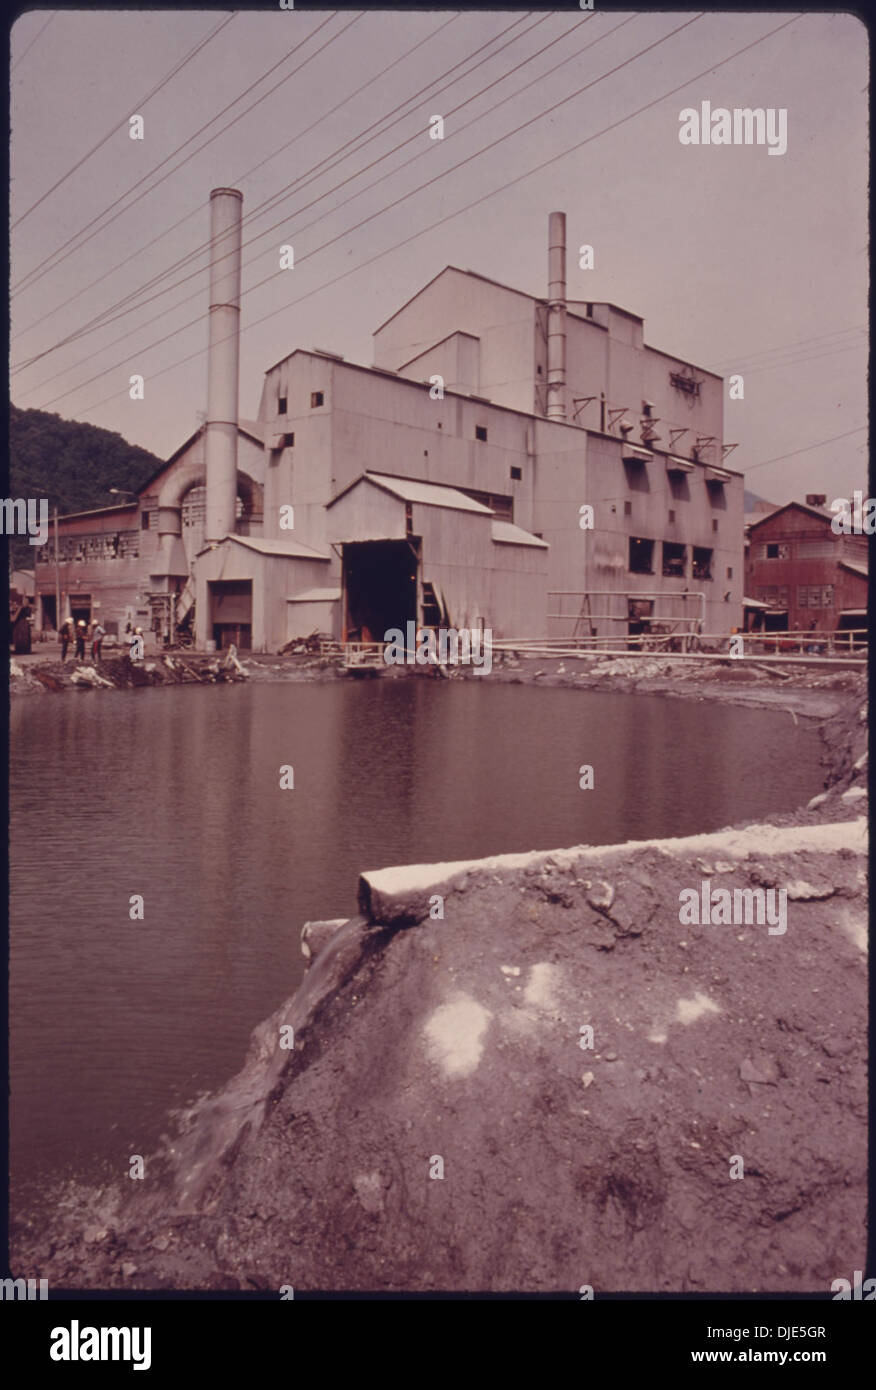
(79, 633)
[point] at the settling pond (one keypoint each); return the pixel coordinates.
(174, 794)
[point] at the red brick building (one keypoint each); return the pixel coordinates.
(810, 578)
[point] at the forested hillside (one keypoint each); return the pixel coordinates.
(71, 463)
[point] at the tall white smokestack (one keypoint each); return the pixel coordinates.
(556, 328)
(226, 207)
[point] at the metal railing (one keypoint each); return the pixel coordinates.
(838, 648)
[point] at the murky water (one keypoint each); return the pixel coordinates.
(174, 795)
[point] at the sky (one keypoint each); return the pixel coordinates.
(738, 260)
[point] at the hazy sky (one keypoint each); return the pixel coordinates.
(738, 260)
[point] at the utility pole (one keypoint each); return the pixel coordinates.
(57, 579)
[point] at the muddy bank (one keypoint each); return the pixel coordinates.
(429, 1044)
(811, 691)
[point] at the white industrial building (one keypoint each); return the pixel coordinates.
(445, 484)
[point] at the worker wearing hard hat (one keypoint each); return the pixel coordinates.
(80, 640)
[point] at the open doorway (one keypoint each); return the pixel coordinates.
(231, 612)
(80, 608)
(639, 614)
(49, 609)
(380, 588)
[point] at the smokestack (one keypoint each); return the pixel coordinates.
(556, 327)
(226, 206)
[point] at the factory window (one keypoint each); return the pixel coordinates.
(714, 523)
(774, 595)
(409, 518)
(590, 311)
(281, 405)
(729, 571)
(144, 521)
(288, 440)
(516, 473)
(674, 559)
(702, 563)
(774, 551)
(481, 432)
(628, 508)
(316, 398)
(641, 556)
(815, 596)
(671, 515)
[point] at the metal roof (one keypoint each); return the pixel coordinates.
(821, 512)
(505, 533)
(426, 494)
(315, 596)
(862, 570)
(289, 550)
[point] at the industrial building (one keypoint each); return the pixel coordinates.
(526, 465)
(802, 575)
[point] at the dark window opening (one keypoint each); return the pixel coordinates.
(316, 398)
(714, 523)
(775, 551)
(502, 505)
(409, 518)
(481, 432)
(538, 369)
(729, 571)
(674, 559)
(641, 556)
(628, 508)
(647, 409)
(288, 440)
(281, 405)
(702, 563)
(671, 515)
(144, 521)
(516, 473)
(590, 311)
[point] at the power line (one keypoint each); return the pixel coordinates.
(195, 211)
(794, 452)
(466, 208)
(798, 361)
(21, 59)
(300, 181)
(178, 66)
(259, 211)
(428, 183)
(43, 268)
(782, 347)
